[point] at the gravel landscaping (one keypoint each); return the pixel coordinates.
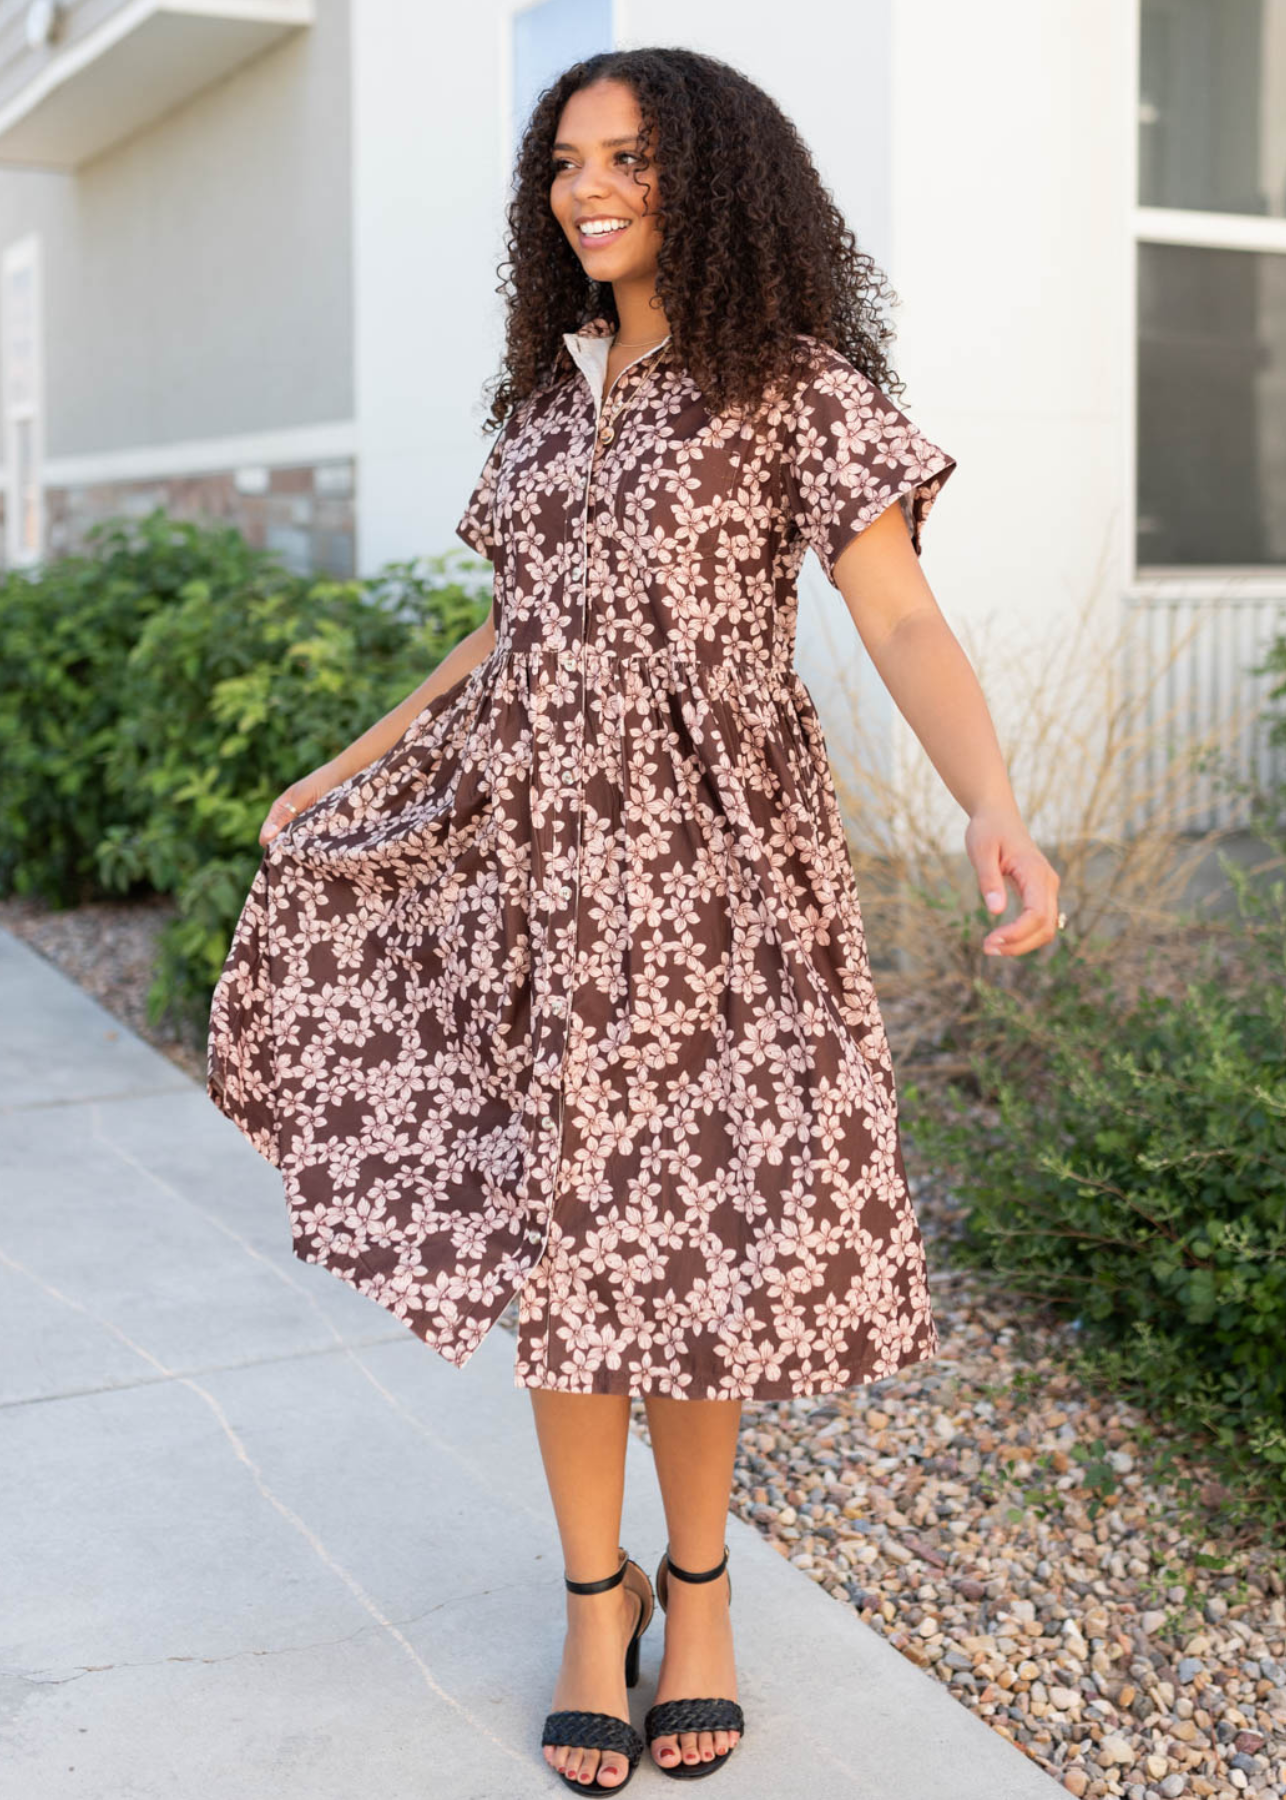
(1083, 1628)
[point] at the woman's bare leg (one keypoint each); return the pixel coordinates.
(582, 1442)
(694, 1443)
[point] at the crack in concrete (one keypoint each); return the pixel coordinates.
(249, 1362)
(157, 1662)
(12, 1110)
(287, 1277)
(475, 1722)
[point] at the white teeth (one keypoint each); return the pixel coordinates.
(597, 227)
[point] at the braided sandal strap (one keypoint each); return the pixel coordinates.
(674, 1716)
(593, 1731)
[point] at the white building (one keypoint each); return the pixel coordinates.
(249, 252)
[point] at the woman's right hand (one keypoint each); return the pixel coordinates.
(295, 799)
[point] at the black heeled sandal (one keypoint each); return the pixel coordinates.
(673, 1716)
(598, 1730)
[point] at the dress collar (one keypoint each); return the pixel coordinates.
(589, 349)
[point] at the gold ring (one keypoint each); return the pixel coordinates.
(291, 805)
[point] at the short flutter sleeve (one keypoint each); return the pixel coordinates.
(477, 522)
(850, 453)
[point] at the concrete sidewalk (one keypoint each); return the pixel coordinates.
(262, 1544)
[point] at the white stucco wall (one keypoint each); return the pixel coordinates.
(197, 275)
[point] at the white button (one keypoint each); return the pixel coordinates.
(565, 891)
(569, 775)
(569, 659)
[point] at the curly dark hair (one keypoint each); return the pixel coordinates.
(753, 251)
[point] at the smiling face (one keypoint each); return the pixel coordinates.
(611, 219)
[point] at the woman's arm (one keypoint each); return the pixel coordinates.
(934, 687)
(385, 732)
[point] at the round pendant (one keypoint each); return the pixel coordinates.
(608, 435)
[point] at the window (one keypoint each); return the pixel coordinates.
(1211, 285)
(22, 384)
(546, 38)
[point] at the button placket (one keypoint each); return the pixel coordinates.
(562, 928)
(560, 895)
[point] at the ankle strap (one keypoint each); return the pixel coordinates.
(597, 1587)
(700, 1575)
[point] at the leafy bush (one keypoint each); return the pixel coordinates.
(66, 630)
(191, 679)
(1128, 1169)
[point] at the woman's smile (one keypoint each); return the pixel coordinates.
(592, 233)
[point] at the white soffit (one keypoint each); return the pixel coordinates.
(138, 63)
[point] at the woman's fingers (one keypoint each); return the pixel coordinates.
(1037, 883)
(279, 814)
(296, 799)
(1032, 927)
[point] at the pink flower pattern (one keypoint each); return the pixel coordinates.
(566, 996)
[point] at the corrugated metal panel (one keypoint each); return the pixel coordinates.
(1194, 708)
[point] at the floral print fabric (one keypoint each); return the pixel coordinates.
(566, 996)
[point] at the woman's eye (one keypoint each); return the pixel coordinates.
(561, 162)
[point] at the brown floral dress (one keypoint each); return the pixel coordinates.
(566, 996)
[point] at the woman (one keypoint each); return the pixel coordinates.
(554, 983)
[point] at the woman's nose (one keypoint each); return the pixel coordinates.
(588, 185)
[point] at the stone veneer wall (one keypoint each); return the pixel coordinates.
(305, 514)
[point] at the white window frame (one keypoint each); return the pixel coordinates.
(1200, 230)
(508, 143)
(1192, 633)
(24, 254)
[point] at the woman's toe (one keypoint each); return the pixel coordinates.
(721, 1743)
(688, 1745)
(665, 1750)
(611, 1770)
(587, 1764)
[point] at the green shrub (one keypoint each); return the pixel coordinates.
(66, 629)
(169, 692)
(1127, 1168)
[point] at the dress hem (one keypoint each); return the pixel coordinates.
(784, 1388)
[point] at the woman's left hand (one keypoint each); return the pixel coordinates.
(999, 846)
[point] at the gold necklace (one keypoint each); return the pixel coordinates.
(626, 344)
